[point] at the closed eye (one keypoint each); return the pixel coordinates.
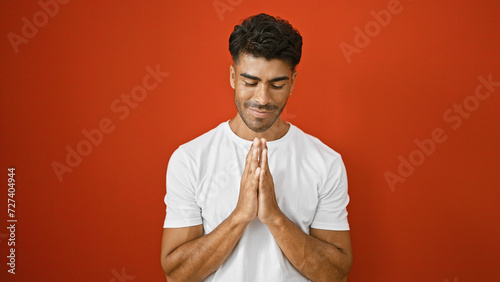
(250, 84)
(277, 86)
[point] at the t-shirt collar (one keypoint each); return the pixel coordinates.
(246, 143)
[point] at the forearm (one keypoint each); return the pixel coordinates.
(197, 259)
(314, 258)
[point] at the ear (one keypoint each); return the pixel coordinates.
(294, 75)
(232, 75)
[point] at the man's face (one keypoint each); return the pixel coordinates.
(261, 90)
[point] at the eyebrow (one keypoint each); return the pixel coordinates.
(279, 78)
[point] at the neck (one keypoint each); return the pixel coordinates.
(275, 132)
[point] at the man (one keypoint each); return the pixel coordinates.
(257, 199)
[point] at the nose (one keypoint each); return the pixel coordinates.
(262, 95)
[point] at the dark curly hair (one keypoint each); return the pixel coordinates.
(265, 36)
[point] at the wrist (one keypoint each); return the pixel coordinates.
(239, 218)
(277, 220)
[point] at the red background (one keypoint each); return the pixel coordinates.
(105, 218)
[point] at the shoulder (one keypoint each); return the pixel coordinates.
(205, 140)
(313, 145)
(200, 144)
(324, 162)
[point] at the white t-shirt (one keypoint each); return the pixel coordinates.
(203, 184)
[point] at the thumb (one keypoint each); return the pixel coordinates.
(257, 174)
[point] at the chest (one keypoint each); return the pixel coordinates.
(296, 183)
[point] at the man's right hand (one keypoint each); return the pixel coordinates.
(188, 255)
(247, 206)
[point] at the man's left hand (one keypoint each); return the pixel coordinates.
(268, 210)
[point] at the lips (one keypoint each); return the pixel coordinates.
(260, 114)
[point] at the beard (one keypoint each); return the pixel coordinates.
(257, 124)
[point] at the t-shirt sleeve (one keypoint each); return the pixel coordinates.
(182, 209)
(331, 212)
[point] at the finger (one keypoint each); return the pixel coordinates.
(248, 159)
(263, 160)
(254, 163)
(258, 172)
(255, 179)
(261, 179)
(262, 146)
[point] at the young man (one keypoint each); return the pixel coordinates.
(257, 199)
